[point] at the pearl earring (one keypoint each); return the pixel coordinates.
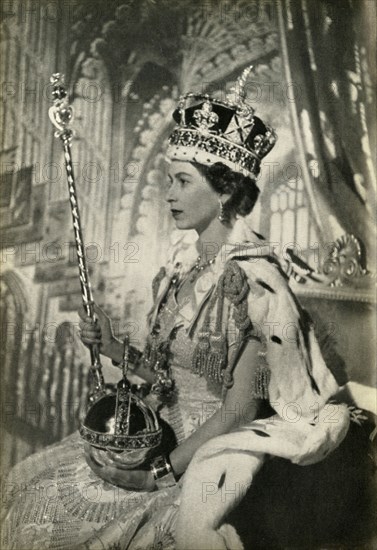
(221, 215)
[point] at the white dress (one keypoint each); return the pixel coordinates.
(54, 500)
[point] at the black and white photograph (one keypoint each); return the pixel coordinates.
(188, 275)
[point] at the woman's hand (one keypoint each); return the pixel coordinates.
(132, 480)
(99, 332)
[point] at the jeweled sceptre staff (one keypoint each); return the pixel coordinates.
(107, 428)
(61, 115)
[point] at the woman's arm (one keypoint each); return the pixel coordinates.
(239, 408)
(115, 352)
(101, 333)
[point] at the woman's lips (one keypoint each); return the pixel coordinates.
(176, 212)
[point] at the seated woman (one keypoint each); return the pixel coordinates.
(230, 355)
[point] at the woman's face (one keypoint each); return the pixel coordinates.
(193, 202)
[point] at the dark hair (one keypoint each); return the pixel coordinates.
(242, 189)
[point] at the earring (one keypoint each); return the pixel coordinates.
(221, 215)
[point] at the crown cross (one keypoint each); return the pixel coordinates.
(205, 117)
(238, 130)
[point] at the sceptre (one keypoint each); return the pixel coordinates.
(61, 115)
(119, 428)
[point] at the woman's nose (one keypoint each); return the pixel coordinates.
(171, 195)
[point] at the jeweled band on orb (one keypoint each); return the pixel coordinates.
(122, 442)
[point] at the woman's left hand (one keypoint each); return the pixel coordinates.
(132, 480)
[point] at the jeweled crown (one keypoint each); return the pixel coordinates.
(213, 130)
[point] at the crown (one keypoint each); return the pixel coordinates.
(212, 130)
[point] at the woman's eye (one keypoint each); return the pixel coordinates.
(183, 181)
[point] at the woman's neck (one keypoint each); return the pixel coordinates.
(212, 238)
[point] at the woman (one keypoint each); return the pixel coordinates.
(233, 364)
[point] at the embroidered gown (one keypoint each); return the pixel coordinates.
(54, 500)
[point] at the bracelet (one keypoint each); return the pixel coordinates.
(163, 472)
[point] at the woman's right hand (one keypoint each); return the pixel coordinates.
(99, 332)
